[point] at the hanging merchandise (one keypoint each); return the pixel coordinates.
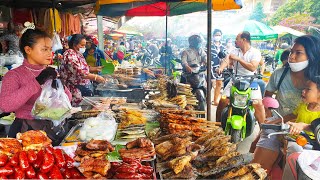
(49, 23)
(21, 16)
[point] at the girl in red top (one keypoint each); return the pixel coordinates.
(22, 86)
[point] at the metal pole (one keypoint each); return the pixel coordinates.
(54, 16)
(166, 52)
(209, 4)
(100, 32)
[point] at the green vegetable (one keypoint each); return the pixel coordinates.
(11, 117)
(115, 155)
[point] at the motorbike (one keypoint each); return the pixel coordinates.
(303, 140)
(238, 119)
(197, 80)
(145, 57)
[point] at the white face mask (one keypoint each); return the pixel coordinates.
(299, 66)
(216, 38)
(82, 50)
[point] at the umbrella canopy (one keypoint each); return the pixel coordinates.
(127, 32)
(258, 30)
(282, 30)
(159, 7)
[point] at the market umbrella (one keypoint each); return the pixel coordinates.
(282, 30)
(257, 30)
(114, 8)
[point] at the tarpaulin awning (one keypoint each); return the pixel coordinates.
(159, 7)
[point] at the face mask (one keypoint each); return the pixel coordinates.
(82, 50)
(216, 38)
(229, 44)
(296, 67)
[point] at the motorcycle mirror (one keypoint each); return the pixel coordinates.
(315, 127)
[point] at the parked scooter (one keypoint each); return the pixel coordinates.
(197, 80)
(303, 140)
(237, 119)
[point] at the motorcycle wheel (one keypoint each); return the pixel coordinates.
(147, 62)
(235, 135)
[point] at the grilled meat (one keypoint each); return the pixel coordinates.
(100, 145)
(82, 151)
(9, 146)
(186, 173)
(100, 166)
(139, 153)
(140, 143)
(34, 139)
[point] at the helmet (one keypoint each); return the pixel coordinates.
(195, 41)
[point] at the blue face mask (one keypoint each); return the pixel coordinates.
(198, 46)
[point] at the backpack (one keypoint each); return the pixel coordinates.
(120, 55)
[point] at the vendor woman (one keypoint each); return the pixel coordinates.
(75, 71)
(22, 86)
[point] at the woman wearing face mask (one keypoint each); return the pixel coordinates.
(303, 59)
(217, 47)
(74, 70)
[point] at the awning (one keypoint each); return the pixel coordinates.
(282, 30)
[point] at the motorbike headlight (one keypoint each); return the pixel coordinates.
(240, 100)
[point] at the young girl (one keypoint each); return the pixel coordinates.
(22, 86)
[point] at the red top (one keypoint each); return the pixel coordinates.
(20, 90)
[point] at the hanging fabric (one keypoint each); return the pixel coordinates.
(20, 16)
(49, 21)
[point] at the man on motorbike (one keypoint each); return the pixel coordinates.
(154, 50)
(193, 58)
(245, 60)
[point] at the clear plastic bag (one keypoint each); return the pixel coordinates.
(102, 127)
(52, 104)
(56, 43)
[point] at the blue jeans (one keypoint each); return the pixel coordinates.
(262, 86)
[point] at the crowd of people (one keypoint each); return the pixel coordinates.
(296, 85)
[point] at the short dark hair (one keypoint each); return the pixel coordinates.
(30, 37)
(285, 55)
(246, 35)
(121, 43)
(75, 40)
(93, 46)
(216, 31)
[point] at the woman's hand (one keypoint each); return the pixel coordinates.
(297, 128)
(100, 79)
(46, 74)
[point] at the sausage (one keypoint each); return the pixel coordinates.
(69, 161)
(6, 171)
(19, 173)
(41, 176)
(14, 161)
(125, 169)
(23, 160)
(3, 159)
(30, 173)
(38, 162)
(130, 160)
(55, 173)
(146, 170)
(127, 176)
(48, 162)
(32, 156)
(49, 149)
(3, 178)
(75, 173)
(59, 158)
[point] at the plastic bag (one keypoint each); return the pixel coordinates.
(52, 104)
(56, 43)
(102, 127)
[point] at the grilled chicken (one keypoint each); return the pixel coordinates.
(139, 143)
(138, 153)
(90, 164)
(100, 145)
(34, 139)
(82, 151)
(9, 146)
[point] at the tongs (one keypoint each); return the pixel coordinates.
(91, 102)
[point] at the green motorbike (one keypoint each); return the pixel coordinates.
(237, 118)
